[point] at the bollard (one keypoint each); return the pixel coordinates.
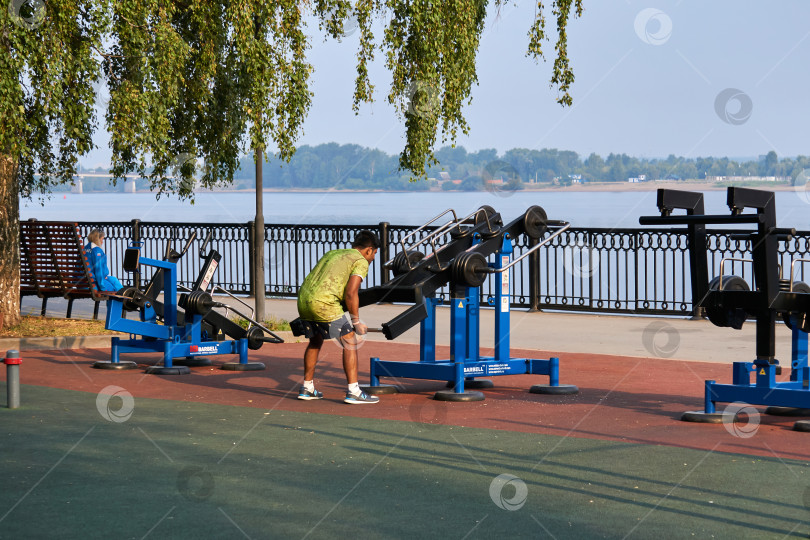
(13, 362)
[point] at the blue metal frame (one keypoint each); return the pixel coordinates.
(765, 390)
(465, 362)
(169, 338)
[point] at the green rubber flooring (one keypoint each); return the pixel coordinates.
(190, 470)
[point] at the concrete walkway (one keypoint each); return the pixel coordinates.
(676, 338)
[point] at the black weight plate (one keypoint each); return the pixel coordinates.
(398, 263)
(727, 317)
(405, 261)
(254, 336)
(414, 257)
(468, 269)
(534, 222)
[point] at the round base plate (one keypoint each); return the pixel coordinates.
(787, 411)
(703, 417)
(445, 395)
(237, 366)
(475, 383)
(802, 425)
(380, 390)
(163, 370)
(192, 361)
(559, 390)
(104, 364)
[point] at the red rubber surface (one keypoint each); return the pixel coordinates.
(636, 400)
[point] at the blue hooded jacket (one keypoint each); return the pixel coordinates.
(98, 264)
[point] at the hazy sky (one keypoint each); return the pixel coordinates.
(719, 78)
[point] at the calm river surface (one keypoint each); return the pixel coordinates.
(582, 209)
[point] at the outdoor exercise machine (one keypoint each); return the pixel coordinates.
(462, 263)
(728, 301)
(186, 330)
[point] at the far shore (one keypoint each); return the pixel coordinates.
(590, 186)
(546, 188)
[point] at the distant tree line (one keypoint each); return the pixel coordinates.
(351, 167)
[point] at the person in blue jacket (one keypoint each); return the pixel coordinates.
(98, 262)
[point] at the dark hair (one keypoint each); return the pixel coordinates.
(366, 239)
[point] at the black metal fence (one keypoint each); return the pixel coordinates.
(643, 271)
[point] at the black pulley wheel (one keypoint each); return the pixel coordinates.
(535, 222)
(727, 317)
(131, 303)
(798, 319)
(490, 212)
(488, 209)
(460, 232)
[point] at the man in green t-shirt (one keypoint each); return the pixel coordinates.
(331, 285)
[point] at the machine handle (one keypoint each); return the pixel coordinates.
(204, 245)
(188, 244)
(564, 227)
(793, 268)
(442, 228)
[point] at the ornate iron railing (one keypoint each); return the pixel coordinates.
(643, 271)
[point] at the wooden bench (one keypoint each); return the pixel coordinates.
(52, 264)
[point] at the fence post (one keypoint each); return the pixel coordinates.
(534, 277)
(384, 248)
(136, 238)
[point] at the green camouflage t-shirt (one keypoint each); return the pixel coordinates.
(321, 296)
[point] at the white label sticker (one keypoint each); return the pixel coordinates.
(504, 304)
(504, 276)
(208, 275)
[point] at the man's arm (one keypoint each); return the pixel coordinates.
(352, 298)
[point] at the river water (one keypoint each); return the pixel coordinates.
(612, 209)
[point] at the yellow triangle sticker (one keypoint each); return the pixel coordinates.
(762, 371)
(460, 303)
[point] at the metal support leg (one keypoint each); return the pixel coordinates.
(709, 414)
(115, 359)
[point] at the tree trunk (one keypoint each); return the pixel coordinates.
(9, 241)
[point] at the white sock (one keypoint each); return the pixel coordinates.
(354, 389)
(309, 386)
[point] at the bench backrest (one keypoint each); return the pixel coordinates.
(52, 261)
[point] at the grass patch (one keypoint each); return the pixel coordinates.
(54, 327)
(31, 326)
(272, 323)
